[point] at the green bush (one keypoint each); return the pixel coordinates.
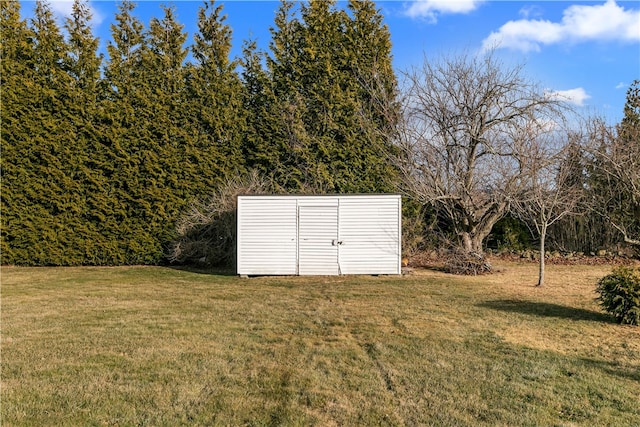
(620, 294)
(509, 234)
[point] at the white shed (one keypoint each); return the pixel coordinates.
(319, 235)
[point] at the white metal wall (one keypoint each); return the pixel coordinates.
(319, 235)
(370, 235)
(267, 236)
(318, 240)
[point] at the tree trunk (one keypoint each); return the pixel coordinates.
(472, 242)
(543, 235)
(476, 244)
(466, 241)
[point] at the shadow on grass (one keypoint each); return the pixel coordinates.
(214, 271)
(614, 368)
(545, 309)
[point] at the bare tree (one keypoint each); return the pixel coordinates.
(464, 132)
(551, 190)
(615, 176)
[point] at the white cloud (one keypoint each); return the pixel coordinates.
(579, 23)
(575, 96)
(64, 8)
(621, 85)
(529, 11)
(430, 9)
(524, 35)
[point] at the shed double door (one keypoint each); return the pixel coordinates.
(318, 240)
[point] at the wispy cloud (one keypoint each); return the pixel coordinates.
(621, 85)
(530, 11)
(431, 9)
(64, 8)
(575, 96)
(579, 23)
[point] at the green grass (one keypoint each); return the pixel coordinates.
(157, 346)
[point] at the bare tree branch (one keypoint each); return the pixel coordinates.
(466, 123)
(206, 232)
(549, 193)
(615, 176)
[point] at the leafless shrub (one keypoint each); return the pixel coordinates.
(206, 233)
(467, 263)
(413, 232)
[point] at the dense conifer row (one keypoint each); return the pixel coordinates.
(101, 154)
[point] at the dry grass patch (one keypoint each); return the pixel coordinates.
(531, 313)
(157, 346)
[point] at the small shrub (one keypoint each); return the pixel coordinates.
(509, 234)
(620, 294)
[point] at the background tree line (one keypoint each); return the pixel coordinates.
(490, 153)
(111, 159)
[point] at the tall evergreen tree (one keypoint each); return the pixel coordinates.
(124, 51)
(265, 143)
(164, 132)
(214, 102)
(124, 127)
(329, 108)
(16, 109)
(15, 50)
(370, 63)
(83, 61)
(83, 66)
(287, 102)
(47, 222)
(629, 128)
(324, 98)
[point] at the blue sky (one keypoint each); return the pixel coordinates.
(587, 51)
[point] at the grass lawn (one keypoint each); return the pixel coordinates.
(158, 346)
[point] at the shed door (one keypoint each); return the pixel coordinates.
(318, 240)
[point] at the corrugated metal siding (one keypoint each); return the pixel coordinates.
(267, 236)
(318, 235)
(370, 235)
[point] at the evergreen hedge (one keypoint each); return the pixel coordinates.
(102, 156)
